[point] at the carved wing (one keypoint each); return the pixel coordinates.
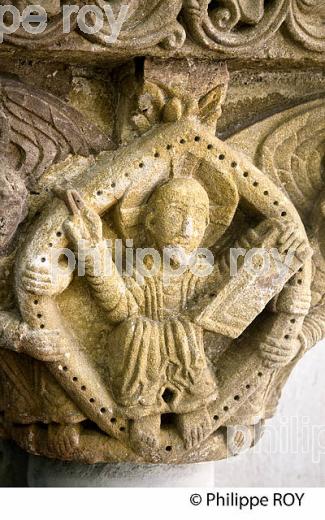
(292, 154)
(38, 130)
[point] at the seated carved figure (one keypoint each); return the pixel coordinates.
(156, 353)
(156, 358)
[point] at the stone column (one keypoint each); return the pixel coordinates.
(48, 473)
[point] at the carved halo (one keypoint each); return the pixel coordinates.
(223, 196)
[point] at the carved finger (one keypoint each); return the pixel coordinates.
(37, 270)
(287, 234)
(31, 276)
(290, 243)
(188, 442)
(44, 335)
(277, 352)
(76, 204)
(273, 365)
(38, 288)
(303, 252)
(275, 358)
(72, 231)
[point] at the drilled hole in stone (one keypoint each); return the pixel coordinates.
(283, 213)
(35, 302)
(113, 420)
(75, 379)
(122, 429)
(39, 315)
(157, 154)
(293, 320)
(169, 146)
(248, 387)
(266, 192)
(287, 336)
(168, 419)
(226, 408)
(43, 259)
(91, 400)
(221, 157)
(260, 374)
(168, 448)
(83, 388)
(103, 410)
(255, 183)
(99, 193)
(210, 146)
(65, 369)
(245, 174)
(237, 397)
(182, 141)
(216, 417)
(276, 203)
(113, 184)
(167, 395)
(233, 164)
(141, 165)
(59, 234)
(197, 138)
(42, 326)
(299, 282)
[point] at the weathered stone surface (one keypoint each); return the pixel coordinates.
(284, 30)
(180, 160)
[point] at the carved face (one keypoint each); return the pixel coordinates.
(13, 195)
(178, 214)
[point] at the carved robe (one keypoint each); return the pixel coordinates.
(157, 361)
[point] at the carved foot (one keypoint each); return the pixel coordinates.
(144, 433)
(194, 427)
(63, 440)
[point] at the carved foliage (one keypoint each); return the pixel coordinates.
(224, 26)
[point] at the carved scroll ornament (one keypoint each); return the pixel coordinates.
(236, 26)
(231, 27)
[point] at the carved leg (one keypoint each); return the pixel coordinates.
(144, 432)
(194, 427)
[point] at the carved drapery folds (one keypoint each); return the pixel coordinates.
(227, 27)
(107, 351)
(108, 367)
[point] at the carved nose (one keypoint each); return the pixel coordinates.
(187, 228)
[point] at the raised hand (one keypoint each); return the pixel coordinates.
(84, 227)
(44, 345)
(290, 239)
(276, 353)
(42, 280)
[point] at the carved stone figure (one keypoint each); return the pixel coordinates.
(156, 300)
